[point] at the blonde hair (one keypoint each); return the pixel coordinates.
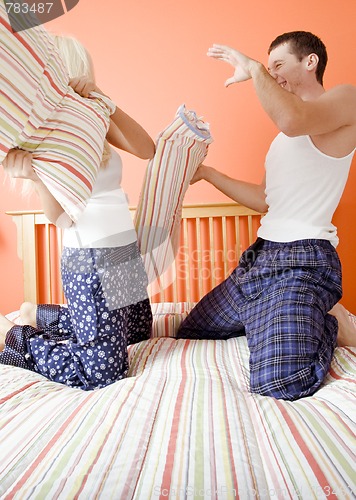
(76, 58)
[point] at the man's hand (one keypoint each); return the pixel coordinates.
(18, 165)
(242, 64)
(199, 174)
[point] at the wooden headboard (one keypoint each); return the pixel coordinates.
(212, 238)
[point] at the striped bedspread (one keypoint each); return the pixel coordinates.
(182, 425)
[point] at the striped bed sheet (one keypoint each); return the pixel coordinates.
(182, 425)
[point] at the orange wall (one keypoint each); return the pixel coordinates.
(150, 56)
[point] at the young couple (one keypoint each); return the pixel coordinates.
(292, 321)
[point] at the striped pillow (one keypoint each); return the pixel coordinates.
(167, 317)
(180, 149)
(40, 113)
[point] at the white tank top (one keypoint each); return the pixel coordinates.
(303, 190)
(106, 220)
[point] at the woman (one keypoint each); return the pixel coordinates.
(84, 345)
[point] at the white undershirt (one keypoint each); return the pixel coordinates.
(106, 220)
(303, 190)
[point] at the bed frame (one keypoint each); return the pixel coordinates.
(212, 238)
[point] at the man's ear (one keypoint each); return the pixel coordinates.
(312, 62)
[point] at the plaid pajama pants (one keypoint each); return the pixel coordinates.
(84, 345)
(279, 297)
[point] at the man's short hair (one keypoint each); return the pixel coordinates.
(303, 43)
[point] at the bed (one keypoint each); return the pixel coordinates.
(183, 424)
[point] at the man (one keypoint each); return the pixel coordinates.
(290, 278)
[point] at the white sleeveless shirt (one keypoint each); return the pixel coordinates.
(303, 190)
(106, 220)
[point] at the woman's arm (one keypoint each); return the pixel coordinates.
(52, 209)
(124, 132)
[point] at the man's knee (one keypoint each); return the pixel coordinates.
(288, 386)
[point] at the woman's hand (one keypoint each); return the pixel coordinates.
(241, 63)
(18, 165)
(83, 85)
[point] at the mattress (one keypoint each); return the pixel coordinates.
(183, 424)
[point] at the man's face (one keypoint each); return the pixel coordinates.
(285, 68)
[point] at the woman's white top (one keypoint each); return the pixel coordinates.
(106, 220)
(303, 190)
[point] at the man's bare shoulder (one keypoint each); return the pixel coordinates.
(335, 121)
(343, 90)
(342, 98)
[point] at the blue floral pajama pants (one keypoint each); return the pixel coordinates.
(84, 345)
(279, 297)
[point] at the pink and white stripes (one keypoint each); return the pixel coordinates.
(41, 114)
